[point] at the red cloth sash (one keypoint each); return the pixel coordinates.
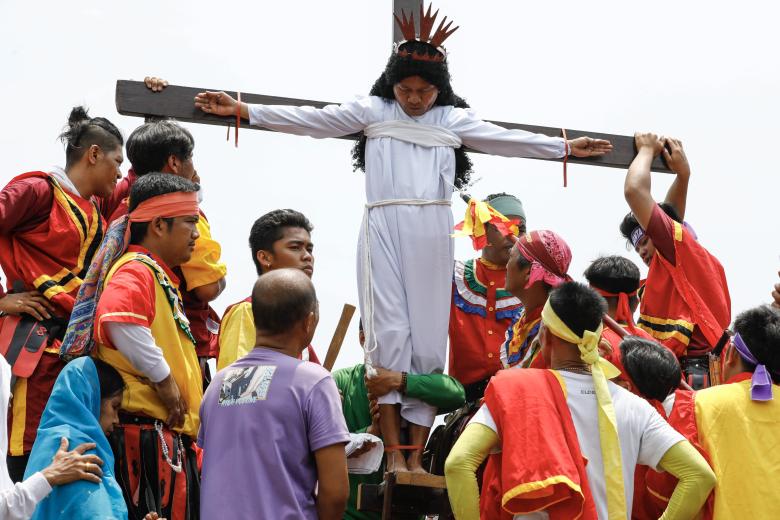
(693, 290)
(541, 466)
(53, 256)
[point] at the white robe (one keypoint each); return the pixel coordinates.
(412, 253)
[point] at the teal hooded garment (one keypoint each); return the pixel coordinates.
(73, 412)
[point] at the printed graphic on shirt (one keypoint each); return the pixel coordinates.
(246, 385)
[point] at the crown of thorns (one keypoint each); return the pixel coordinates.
(409, 31)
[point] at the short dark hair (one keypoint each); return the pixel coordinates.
(282, 298)
(759, 327)
(149, 186)
(653, 368)
(578, 306)
(630, 222)
(150, 145)
(83, 131)
(111, 382)
(270, 227)
(614, 274)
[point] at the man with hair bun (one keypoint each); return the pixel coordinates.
(50, 226)
(272, 430)
(412, 150)
(540, 426)
(739, 422)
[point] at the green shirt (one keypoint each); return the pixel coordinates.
(439, 390)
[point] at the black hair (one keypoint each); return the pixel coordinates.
(111, 382)
(578, 306)
(150, 145)
(270, 227)
(523, 262)
(653, 368)
(614, 274)
(630, 222)
(760, 329)
(83, 131)
(434, 72)
(282, 298)
(149, 186)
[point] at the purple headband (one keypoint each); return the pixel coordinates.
(760, 383)
(637, 235)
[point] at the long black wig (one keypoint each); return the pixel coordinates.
(434, 72)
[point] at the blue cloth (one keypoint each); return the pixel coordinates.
(73, 412)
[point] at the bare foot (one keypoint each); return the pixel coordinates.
(414, 462)
(395, 461)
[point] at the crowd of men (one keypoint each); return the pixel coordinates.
(561, 404)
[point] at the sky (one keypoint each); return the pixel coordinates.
(705, 73)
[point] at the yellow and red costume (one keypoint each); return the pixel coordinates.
(541, 467)
(48, 235)
(685, 303)
(204, 267)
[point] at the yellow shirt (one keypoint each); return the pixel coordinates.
(742, 438)
(178, 350)
(204, 266)
(236, 334)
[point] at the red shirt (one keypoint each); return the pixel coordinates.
(686, 290)
(480, 313)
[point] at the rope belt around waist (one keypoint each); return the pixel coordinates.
(367, 277)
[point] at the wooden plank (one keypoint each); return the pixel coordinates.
(177, 102)
(408, 478)
(408, 501)
(338, 336)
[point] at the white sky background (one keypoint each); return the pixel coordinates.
(706, 74)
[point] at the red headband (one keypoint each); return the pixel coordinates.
(623, 311)
(169, 205)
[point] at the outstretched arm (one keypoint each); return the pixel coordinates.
(330, 121)
(637, 185)
(497, 140)
(678, 162)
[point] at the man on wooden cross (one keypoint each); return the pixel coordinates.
(412, 151)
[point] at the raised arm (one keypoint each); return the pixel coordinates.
(330, 121)
(497, 140)
(677, 195)
(637, 185)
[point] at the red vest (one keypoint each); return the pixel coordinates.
(541, 466)
(658, 487)
(691, 293)
(53, 256)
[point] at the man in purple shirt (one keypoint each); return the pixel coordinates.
(272, 428)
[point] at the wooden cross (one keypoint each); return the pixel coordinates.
(134, 99)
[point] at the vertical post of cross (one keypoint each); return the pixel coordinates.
(409, 6)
